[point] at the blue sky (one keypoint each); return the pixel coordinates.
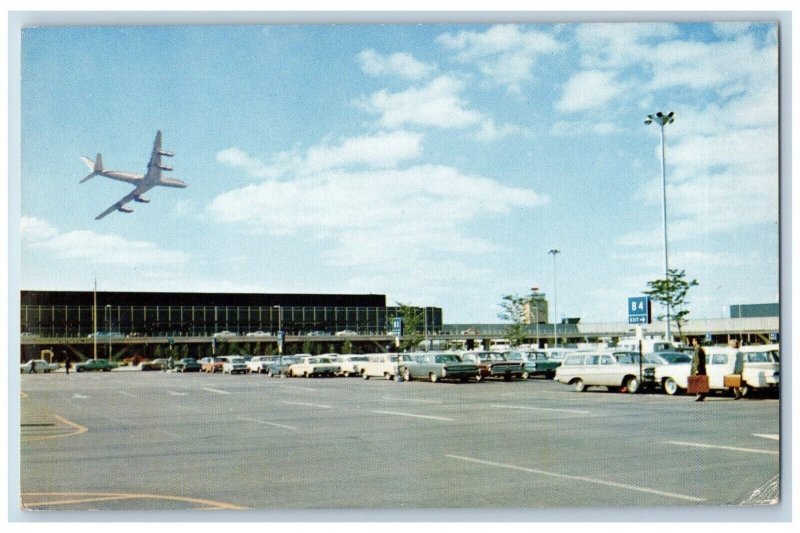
(433, 163)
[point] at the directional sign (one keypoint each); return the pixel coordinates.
(773, 336)
(281, 337)
(639, 310)
(397, 326)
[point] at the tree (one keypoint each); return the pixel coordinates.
(512, 309)
(671, 293)
(347, 346)
(413, 334)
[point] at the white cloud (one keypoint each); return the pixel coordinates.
(376, 216)
(399, 64)
(506, 54)
(380, 150)
(439, 104)
(34, 229)
(90, 247)
(590, 90)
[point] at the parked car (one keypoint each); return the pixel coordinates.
(379, 365)
(187, 364)
(224, 334)
(258, 334)
(155, 364)
(436, 367)
(346, 333)
(258, 364)
(105, 335)
(663, 358)
(233, 364)
(493, 365)
(761, 368)
(313, 366)
(535, 363)
(350, 365)
(37, 365)
(211, 364)
(103, 365)
(720, 361)
(280, 365)
(611, 370)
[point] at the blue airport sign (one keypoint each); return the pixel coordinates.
(639, 310)
(397, 327)
(773, 335)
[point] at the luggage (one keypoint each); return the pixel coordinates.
(697, 385)
(732, 381)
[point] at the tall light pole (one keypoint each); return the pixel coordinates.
(107, 317)
(555, 297)
(280, 330)
(662, 120)
(534, 292)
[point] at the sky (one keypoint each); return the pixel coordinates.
(434, 163)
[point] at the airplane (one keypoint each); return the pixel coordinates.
(143, 183)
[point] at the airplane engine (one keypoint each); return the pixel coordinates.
(141, 199)
(167, 154)
(165, 167)
(125, 209)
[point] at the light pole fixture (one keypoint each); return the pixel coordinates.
(555, 297)
(107, 317)
(534, 293)
(662, 120)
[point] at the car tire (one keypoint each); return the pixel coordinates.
(744, 390)
(670, 387)
(507, 376)
(549, 374)
(526, 375)
(433, 377)
(346, 374)
(364, 375)
(478, 378)
(269, 373)
(632, 385)
(79, 369)
(578, 385)
(406, 374)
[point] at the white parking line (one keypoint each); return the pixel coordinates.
(126, 393)
(216, 390)
(265, 423)
(82, 397)
(413, 415)
(395, 399)
(718, 447)
(292, 387)
(309, 404)
(580, 478)
(770, 436)
(527, 408)
(176, 393)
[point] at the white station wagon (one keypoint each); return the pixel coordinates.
(588, 369)
(761, 368)
(380, 365)
(720, 361)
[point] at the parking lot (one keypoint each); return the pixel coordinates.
(156, 441)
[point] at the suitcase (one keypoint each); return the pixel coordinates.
(697, 385)
(732, 381)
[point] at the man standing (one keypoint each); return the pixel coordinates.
(698, 364)
(66, 361)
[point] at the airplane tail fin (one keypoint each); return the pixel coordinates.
(96, 166)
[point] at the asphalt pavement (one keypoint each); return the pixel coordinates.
(151, 441)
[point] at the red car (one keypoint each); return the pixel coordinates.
(211, 364)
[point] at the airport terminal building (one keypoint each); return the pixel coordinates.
(74, 314)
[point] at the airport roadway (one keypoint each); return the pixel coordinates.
(154, 441)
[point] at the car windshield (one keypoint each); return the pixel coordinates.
(322, 360)
(515, 356)
(447, 359)
(758, 357)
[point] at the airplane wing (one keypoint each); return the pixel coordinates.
(119, 205)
